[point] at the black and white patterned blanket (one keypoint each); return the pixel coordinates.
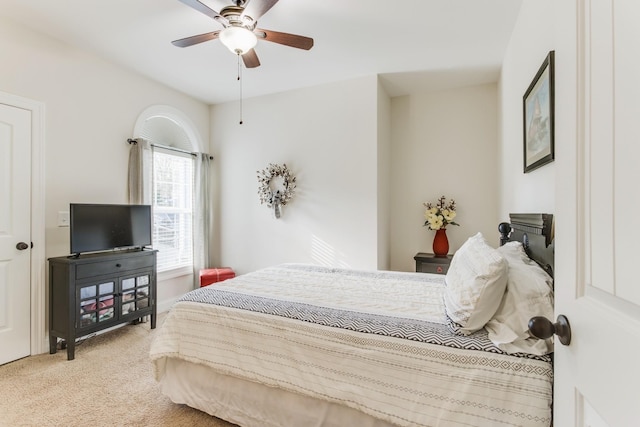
(358, 321)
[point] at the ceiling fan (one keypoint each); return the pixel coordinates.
(240, 34)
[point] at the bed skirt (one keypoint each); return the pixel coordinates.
(251, 404)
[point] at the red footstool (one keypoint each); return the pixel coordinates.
(214, 275)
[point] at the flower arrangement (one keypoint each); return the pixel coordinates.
(440, 215)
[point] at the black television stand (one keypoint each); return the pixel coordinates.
(96, 291)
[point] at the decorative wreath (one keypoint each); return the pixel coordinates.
(267, 195)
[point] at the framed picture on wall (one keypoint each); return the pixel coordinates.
(538, 112)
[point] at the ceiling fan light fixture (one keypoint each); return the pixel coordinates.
(238, 40)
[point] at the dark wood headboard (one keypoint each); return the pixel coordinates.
(536, 232)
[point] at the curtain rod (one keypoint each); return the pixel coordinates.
(166, 147)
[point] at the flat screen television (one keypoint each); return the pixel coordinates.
(100, 227)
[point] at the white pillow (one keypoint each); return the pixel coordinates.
(529, 293)
(475, 283)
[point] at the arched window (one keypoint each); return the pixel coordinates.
(172, 190)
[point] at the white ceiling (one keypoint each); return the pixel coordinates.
(414, 44)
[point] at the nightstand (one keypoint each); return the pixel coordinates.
(429, 263)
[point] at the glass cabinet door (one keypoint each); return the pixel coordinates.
(96, 303)
(135, 293)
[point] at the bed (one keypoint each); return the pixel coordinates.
(306, 345)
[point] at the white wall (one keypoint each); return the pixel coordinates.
(444, 143)
(365, 163)
(531, 41)
(327, 135)
(384, 179)
(464, 143)
(91, 107)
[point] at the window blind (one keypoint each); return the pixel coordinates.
(173, 176)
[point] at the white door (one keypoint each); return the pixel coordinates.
(598, 200)
(15, 217)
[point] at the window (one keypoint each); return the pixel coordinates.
(173, 209)
(179, 232)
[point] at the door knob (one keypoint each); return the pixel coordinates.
(541, 327)
(22, 246)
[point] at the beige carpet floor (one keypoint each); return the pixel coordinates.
(110, 383)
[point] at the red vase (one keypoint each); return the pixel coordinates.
(441, 243)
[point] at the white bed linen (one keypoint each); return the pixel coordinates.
(251, 404)
(529, 293)
(400, 381)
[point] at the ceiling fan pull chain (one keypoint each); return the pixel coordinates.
(240, 81)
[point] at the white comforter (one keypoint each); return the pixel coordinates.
(408, 382)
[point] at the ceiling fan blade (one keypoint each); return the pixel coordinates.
(256, 8)
(293, 40)
(190, 41)
(250, 59)
(200, 7)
